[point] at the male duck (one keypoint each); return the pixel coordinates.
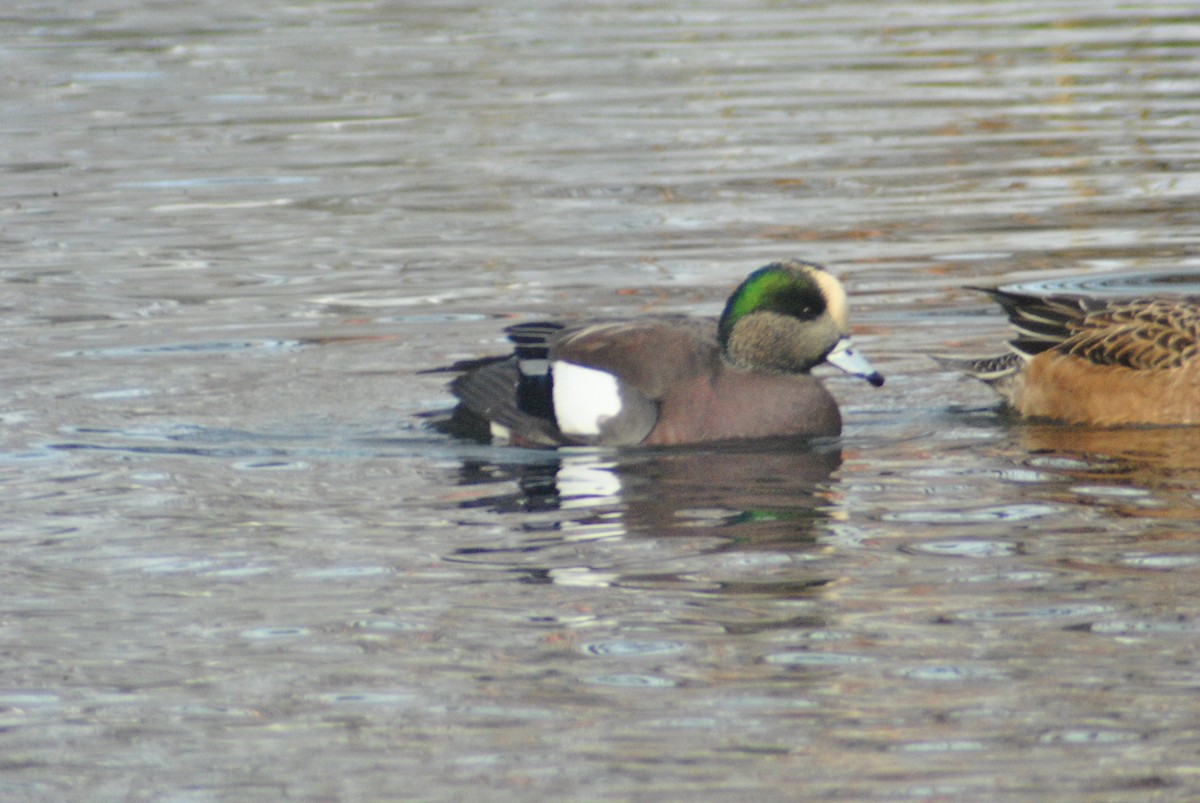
(672, 379)
(1096, 361)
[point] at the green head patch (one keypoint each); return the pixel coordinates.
(774, 288)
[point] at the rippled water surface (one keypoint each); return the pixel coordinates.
(239, 564)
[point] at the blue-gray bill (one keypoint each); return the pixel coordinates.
(846, 358)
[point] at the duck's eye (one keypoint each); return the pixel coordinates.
(799, 302)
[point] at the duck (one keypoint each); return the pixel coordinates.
(667, 380)
(1095, 361)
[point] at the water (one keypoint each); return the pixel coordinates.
(240, 566)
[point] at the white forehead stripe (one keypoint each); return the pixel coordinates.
(584, 398)
(835, 297)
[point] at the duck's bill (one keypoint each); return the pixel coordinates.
(845, 356)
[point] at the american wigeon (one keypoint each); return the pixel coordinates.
(1105, 362)
(672, 379)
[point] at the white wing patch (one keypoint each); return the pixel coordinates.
(584, 398)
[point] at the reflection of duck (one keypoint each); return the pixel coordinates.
(758, 496)
(672, 379)
(1145, 472)
(1098, 361)
(1151, 456)
(753, 492)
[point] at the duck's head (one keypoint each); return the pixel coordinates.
(787, 317)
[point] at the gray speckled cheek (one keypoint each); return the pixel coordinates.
(773, 342)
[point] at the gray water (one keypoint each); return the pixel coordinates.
(239, 564)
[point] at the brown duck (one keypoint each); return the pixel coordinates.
(672, 379)
(1104, 362)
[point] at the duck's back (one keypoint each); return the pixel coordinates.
(1102, 361)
